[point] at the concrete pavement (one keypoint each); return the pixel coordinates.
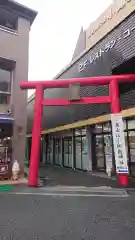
(70, 191)
(30, 217)
(58, 176)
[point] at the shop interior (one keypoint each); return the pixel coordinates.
(60, 150)
(103, 145)
(5, 144)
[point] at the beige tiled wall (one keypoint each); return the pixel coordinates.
(92, 39)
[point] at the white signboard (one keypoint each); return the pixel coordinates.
(108, 152)
(119, 143)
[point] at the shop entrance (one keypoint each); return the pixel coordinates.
(80, 149)
(49, 150)
(5, 150)
(67, 152)
(103, 151)
(100, 153)
(103, 147)
(57, 151)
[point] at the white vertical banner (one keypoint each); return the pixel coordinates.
(119, 144)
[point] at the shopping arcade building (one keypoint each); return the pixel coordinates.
(83, 133)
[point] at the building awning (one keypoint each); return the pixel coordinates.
(6, 119)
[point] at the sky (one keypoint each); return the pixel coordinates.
(55, 31)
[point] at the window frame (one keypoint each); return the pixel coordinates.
(8, 29)
(8, 94)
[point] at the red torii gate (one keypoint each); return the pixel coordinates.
(113, 99)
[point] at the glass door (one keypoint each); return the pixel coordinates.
(57, 155)
(85, 158)
(131, 137)
(67, 152)
(81, 154)
(100, 154)
(108, 150)
(70, 152)
(78, 152)
(49, 151)
(41, 149)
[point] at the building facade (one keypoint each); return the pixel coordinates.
(15, 23)
(80, 137)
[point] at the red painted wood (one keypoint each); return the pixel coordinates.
(62, 83)
(35, 148)
(114, 96)
(85, 100)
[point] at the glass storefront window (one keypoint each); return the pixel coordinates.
(131, 135)
(57, 151)
(85, 158)
(98, 129)
(131, 124)
(80, 131)
(78, 152)
(100, 156)
(107, 127)
(50, 151)
(108, 151)
(77, 132)
(65, 147)
(84, 146)
(83, 131)
(67, 144)
(81, 153)
(126, 143)
(132, 144)
(125, 124)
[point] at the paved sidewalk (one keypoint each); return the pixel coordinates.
(12, 182)
(57, 176)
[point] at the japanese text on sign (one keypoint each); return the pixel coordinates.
(106, 48)
(119, 144)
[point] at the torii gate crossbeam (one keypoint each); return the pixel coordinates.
(40, 86)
